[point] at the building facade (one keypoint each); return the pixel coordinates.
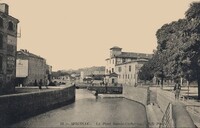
(88, 74)
(125, 64)
(128, 72)
(37, 68)
(8, 48)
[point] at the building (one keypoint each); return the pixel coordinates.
(128, 71)
(30, 68)
(8, 48)
(88, 74)
(125, 64)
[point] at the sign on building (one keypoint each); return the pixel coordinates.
(21, 68)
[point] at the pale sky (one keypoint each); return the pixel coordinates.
(72, 34)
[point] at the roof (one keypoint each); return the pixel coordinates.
(133, 61)
(112, 74)
(27, 53)
(4, 6)
(134, 55)
(115, 47)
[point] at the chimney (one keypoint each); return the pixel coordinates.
(4, 8)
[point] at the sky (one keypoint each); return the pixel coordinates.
(72, 34)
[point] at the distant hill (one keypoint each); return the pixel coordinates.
(92, 69)
(71, 71)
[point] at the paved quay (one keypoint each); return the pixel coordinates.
(154, 112)
(30, 89)
(192, 105)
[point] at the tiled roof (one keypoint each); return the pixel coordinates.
(113, 74)
(133, 61)
(27, 53)
(134, 55)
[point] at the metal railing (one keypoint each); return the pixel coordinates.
(167, 120)
(194, 109)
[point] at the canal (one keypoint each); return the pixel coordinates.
(88, 111)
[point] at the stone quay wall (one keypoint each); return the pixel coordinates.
(16, 107)
(106, 90)
(138, 94)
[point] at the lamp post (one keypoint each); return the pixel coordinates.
(188, 88)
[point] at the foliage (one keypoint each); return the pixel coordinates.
(178, 50)
(145, 72)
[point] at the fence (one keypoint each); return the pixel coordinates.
(106, 90)
(167, 120)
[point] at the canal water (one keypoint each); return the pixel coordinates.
(88, 112)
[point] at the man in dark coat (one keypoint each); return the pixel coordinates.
(177, 89)
(40, 84)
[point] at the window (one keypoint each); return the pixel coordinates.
(10, 49)
(119, 69)
(113, 61)
(112, 70)
(1, 22)
(106, 70)
(10, 26)
(1, 41)
(119, 76)
(129, 68)
(128, 76)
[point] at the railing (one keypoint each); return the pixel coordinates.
(108, 89)
(194, 109)
(167, 120)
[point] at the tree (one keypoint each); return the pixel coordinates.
(193, 11)
(145, 72)
(179, 43)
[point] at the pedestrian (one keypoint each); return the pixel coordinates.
(40, 84)
(35, 83)
(106, 88)
(177, 89)
(46, 84)
(96, 94)
(158, 82)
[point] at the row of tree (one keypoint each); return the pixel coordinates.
(178, 50)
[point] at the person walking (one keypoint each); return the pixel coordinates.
(177, 89)
(35, 83)
(47, 83)
(40, 84)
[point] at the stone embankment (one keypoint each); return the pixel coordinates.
(156, 102)
(20, 106)
(138, 94)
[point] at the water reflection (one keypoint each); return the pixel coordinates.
(88, 111)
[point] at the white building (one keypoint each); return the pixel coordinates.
(128, 71)
(125, 64)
